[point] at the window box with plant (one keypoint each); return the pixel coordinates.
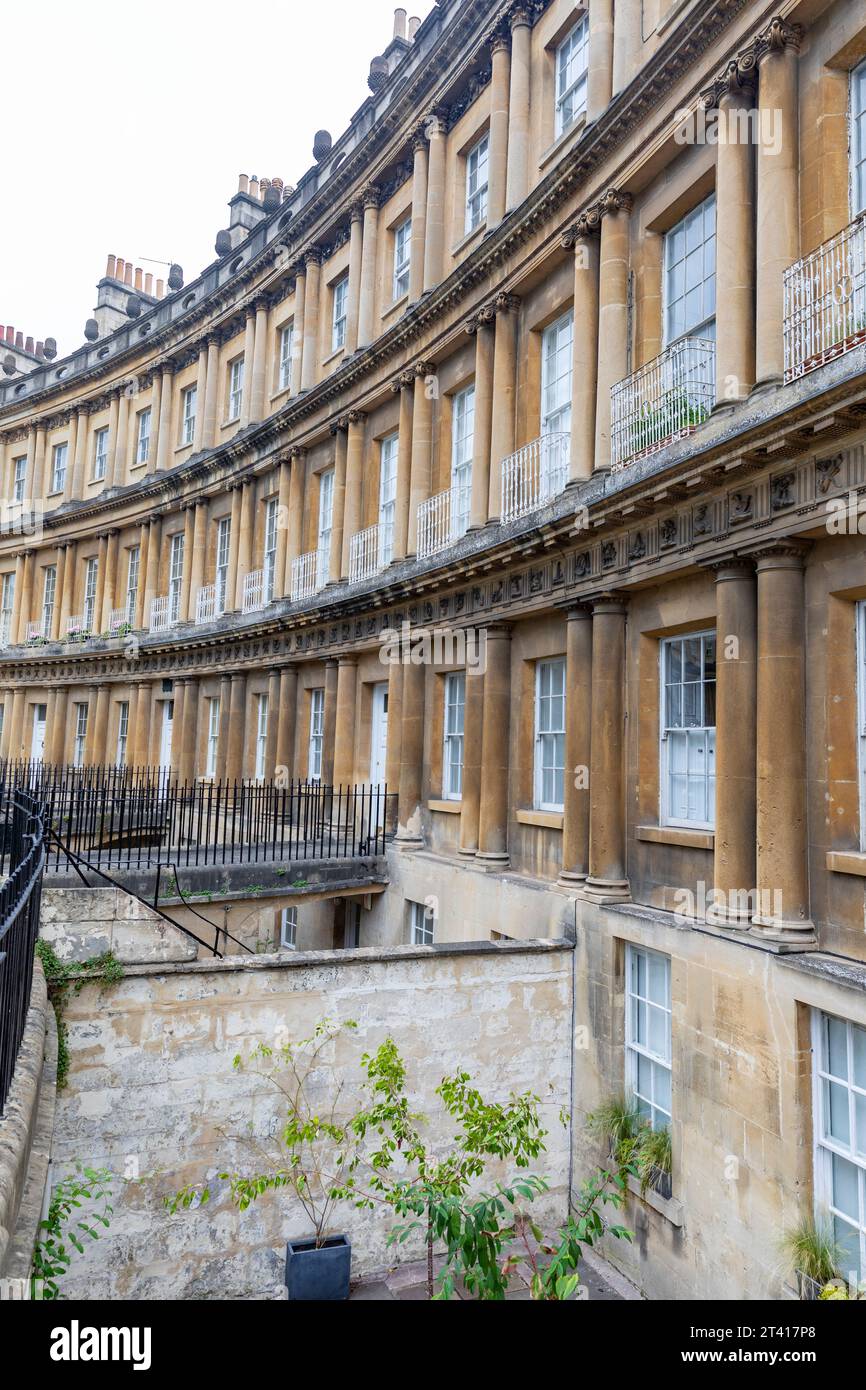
(634, 1145)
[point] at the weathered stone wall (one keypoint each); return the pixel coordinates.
(151, 1084)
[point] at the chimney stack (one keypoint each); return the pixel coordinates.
(414, 26)
(400, 24)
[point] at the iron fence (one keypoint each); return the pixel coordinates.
(22, 825)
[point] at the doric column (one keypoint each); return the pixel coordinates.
(338, 501)
(164, 441)
(236, 490)
(583, 237)
(209, 395)
(57, 737)
(517, 185)
(118, 462)
(300, 274)
(353, 300)
(482, 325)
(287, 721)
(778, 199)
(237, 727)
(781, 817)
(394, 745)
(412, 754)
(225, 726)
(259, 361)
(249, 351)
(296, 509)
(607, 880)
(245, 539)
(419, 215)
(199, 555)
(151, 579)
(354, 475)
(473, 733)
(109, 590)
(309, 366)
(273, 732)
(367, 304)
(329, 724)
(282, 576)
(434, 234)
(600, 76)
(578, 732)
(612, 313)
(189, 750)
(503, 431)
(405, 385)
(143, 716)
(422, 450)
(736, 738)
(344, 724)
(495, 748)
(497, 156)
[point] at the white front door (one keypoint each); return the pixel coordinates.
(165, 740)
(379, 733)
(37, 746)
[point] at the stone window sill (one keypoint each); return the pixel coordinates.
(676, 835)
(182, 448)
(448, 808)
(668, 1207)
(283, 394)
(544, 820)
(332, 357)
(396, 308)
(847, 862)
(475, 235)
(555, 150)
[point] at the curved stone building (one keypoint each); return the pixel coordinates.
(515, 458)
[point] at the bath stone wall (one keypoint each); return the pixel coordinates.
(151, 1090)
(80, 923)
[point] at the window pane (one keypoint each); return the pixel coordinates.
(845, 1187)
(838, 1119)
(837, 1048)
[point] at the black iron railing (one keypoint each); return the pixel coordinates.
(22, 825)
(122, 818)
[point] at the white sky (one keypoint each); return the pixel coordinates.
(125, 129)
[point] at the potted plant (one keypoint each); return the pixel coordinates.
(634, 1145)
(815, 1256)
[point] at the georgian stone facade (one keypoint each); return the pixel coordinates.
(525, 356)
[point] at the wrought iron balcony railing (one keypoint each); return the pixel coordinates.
(76, 625)
(119, 618)
(370, 552)
(442, 520)
(5, 629)
(205, 604)
(36, 632)
(663, 401)
(825, 302)
(160, 614)
(253, 595)
(309, 574)
(534, 475)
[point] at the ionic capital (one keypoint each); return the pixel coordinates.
(424, 369)
(371, 196)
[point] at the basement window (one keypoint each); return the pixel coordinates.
(648, 1033)
(839, 1099)
(422, 920)
(289, 928)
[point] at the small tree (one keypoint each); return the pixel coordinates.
(79, 1204)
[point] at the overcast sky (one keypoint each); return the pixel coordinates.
(125, 129)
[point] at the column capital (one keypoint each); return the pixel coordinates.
(498, 38)
(575, 611)
(297, 451)
(520, 16)
(424, 369)
(608, 601)
(787, 553)
(738, 77)
(347, 659)
(590, 220)
(403, 382)
(313, 255)
(733, 565)
(777, 36)
(371, 196)
(356, 417)
(356, 212)
(418, 137)
(434, 124)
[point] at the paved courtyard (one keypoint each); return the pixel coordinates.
(407, 1283)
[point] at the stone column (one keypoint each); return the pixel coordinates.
(626, 42)
(736, 738)
(584, 379)
(329, 727)
(76, 469)
(113, 412)
(140, 616)
(27, 562)
(482, 325)
(409, 827)
(367, 304)
(503, 432)
(287, 720)
(15, 622)
(495, 749)
(354, 476)
(164, 442)
(16, 735)
(225, 726)
(118, 462)
(90, 737)
(132, 726)
(199, 554)
(177, 728)
(249, 350)
(237, 728)
(735, 246)
(338, 503)
(144, 716)
(57, 742)
(344, 724)
(607, 881)
(273, 731)
(309, 366)
(282, 577)
(600, 77)
(497, 156)
(100, 732)
(612, 314)
(209, 396)
(394, 748)
(517, 185)
(109, 592)
(473, 733)
(778, 198)
(187, 600)
(259, 361)
(419, 215)
(201, 398)
(300, 275)
(155, 413)
(189, 751)
(353, 299)
(405, 384)
(67, 596)
(781, 817)
(99, 597)
(37, 475)
(151, 581)
(578, 731)
(297, 489)
(434, 235)
(57, 629)
(422, 451)
(245, 539)
(236, 490)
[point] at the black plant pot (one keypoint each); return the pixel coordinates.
(318, 1275)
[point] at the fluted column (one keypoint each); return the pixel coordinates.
(109, 590)
(405, 385)
(17, 599)
(473, 734)
(600, 76)
(497, 157)
(354, 476)
(249, 350)
(245, 539)
(607, 880)
(344, 727)
(237, 728)
(367, 303)
(164, 441)
(434, 235)
(353, 298)
(338, 501)
(482, 325)
(297, 489)
(419, 215)
(284, 488)
(309, 365)
(495, 748)
(519, 98)
(583, 238)
(24, 592)
(781, 815)
(503, 430)
(259, 361)
(422, 450)
(734, 871)
(612, 314)
(778, 199)
(409, 826)
(99, 597)
(394, 745)
(287, 722)
(329, 725)
(578, 727)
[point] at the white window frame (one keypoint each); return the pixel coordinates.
(477, 178)
(100, 454)
(340, 312)
(287, 342)
(122, 732)
(236, 389)
(325, 524)
(188, 414)
(142, 435)
(549, 731)
(213, 736)
(59, 460)
(669, 732)
(289, 928)
(82, 712)
(462, 448)
(221, 573)
(453, 729)
(7, 605)
(858, 140)
(860, 619)
(133, 569)
(571, 65)
(389, 450)
(422, 924)
(19, 478)
(679, 280)
(175, 575)
(642, 1010)
(848, 1091)
(557, 358)
(91, 577)
(49, 594)
(317, 734)
(261, 736)
(402, 258)
(269, 558)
